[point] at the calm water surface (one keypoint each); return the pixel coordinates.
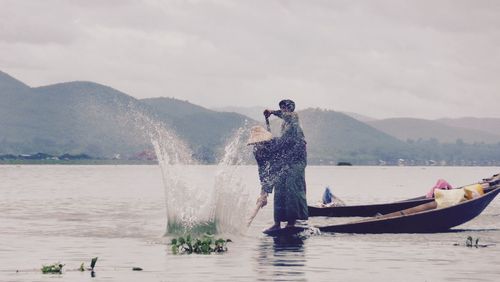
(70, 214)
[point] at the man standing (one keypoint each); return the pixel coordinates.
(290, 157)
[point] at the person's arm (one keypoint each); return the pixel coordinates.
(278, 113)
(265, 180)
(262, 156)
(290, 131)
(262, 200)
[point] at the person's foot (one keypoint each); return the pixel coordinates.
(273, 228)
(290, 224)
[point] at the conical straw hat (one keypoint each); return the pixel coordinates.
(259, 134)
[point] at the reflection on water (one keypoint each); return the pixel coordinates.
(281, 258)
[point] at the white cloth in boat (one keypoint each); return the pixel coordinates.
(447, 198)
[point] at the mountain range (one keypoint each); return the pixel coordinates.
(89, 118)
(443, 130)
(85, 117)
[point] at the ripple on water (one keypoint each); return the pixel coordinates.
(118, 214)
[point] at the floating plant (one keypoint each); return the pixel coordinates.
(205, 245)
(53, 268)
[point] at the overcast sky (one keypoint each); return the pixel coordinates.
(426, 59)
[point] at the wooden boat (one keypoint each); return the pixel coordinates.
(369, 210)
(429, 221)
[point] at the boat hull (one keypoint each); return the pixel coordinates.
(370, 210)
(431, 221)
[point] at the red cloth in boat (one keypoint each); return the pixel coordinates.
(440, 184)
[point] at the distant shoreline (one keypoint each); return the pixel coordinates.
(154, 162)
(77, 162)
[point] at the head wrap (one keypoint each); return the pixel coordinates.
(287, 104)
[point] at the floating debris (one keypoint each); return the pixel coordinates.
(136, 269)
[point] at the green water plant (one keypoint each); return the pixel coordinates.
(207, 244)
(92, 263)
(53, 268)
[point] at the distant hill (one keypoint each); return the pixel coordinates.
(95, 118)
(415, 129)
(11, 89)
(86, 117)
(18, 110)
(255, 112)
(73, 117)
(89, 118)
(490, 125)
(359, 117)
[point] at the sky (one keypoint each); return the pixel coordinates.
(421, 58)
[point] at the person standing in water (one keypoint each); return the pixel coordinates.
(282, 165)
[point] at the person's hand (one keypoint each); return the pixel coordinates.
(267, 113)
(262, 200)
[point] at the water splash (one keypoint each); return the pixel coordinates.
(232, 197)
(197, 207)
(187, 209)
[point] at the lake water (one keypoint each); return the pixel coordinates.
(70, 214)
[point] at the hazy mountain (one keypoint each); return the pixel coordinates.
(89, 118)
(359, 117)
(85, 117)
(71, 117)
(415, 129)
(490, 125)
(18, 110)
(255, 112)
(11, 89)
